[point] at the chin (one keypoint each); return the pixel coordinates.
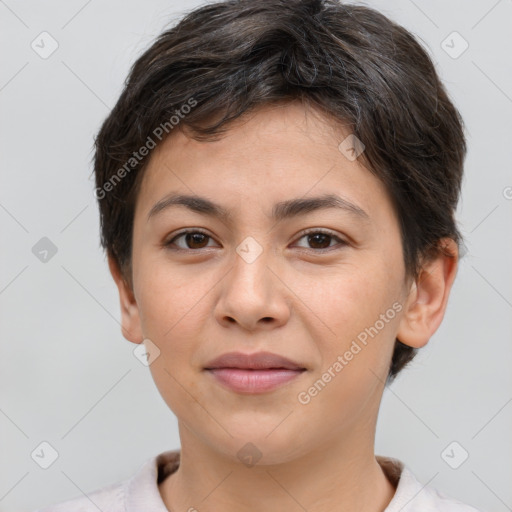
(256, 447)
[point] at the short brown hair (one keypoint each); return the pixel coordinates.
(350, 62)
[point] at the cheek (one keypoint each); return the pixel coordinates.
(182, 394)
(348, 297)
(172, 301)
(356, 304)
(173, 308)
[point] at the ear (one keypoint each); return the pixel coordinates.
(130, 319)
(428, 296)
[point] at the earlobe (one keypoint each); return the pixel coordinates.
(426, 302)
(130, 319)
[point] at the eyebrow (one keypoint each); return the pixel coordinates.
(282, 210)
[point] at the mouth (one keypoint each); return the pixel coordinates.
(253, 373)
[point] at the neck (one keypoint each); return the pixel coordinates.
(335, 476)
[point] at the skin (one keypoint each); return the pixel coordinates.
(292, 300)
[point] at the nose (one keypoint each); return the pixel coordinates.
(252, 295)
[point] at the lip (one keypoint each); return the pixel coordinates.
(253, 381)
(255, 361)
(253, 373)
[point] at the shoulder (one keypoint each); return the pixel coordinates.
(413, 496)
(127, 495)
(432, 499)
(107, 499)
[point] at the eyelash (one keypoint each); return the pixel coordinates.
(315, 231)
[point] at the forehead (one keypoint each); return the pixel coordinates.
(272, 154)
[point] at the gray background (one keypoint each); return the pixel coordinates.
(68, 377)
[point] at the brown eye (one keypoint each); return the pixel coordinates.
(321, 240)
(193, 240)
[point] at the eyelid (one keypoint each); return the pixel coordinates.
(325, 231)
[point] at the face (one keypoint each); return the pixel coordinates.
(322, 286)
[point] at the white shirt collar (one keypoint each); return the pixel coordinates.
(141, 491)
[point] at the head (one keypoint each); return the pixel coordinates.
(250, 104)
